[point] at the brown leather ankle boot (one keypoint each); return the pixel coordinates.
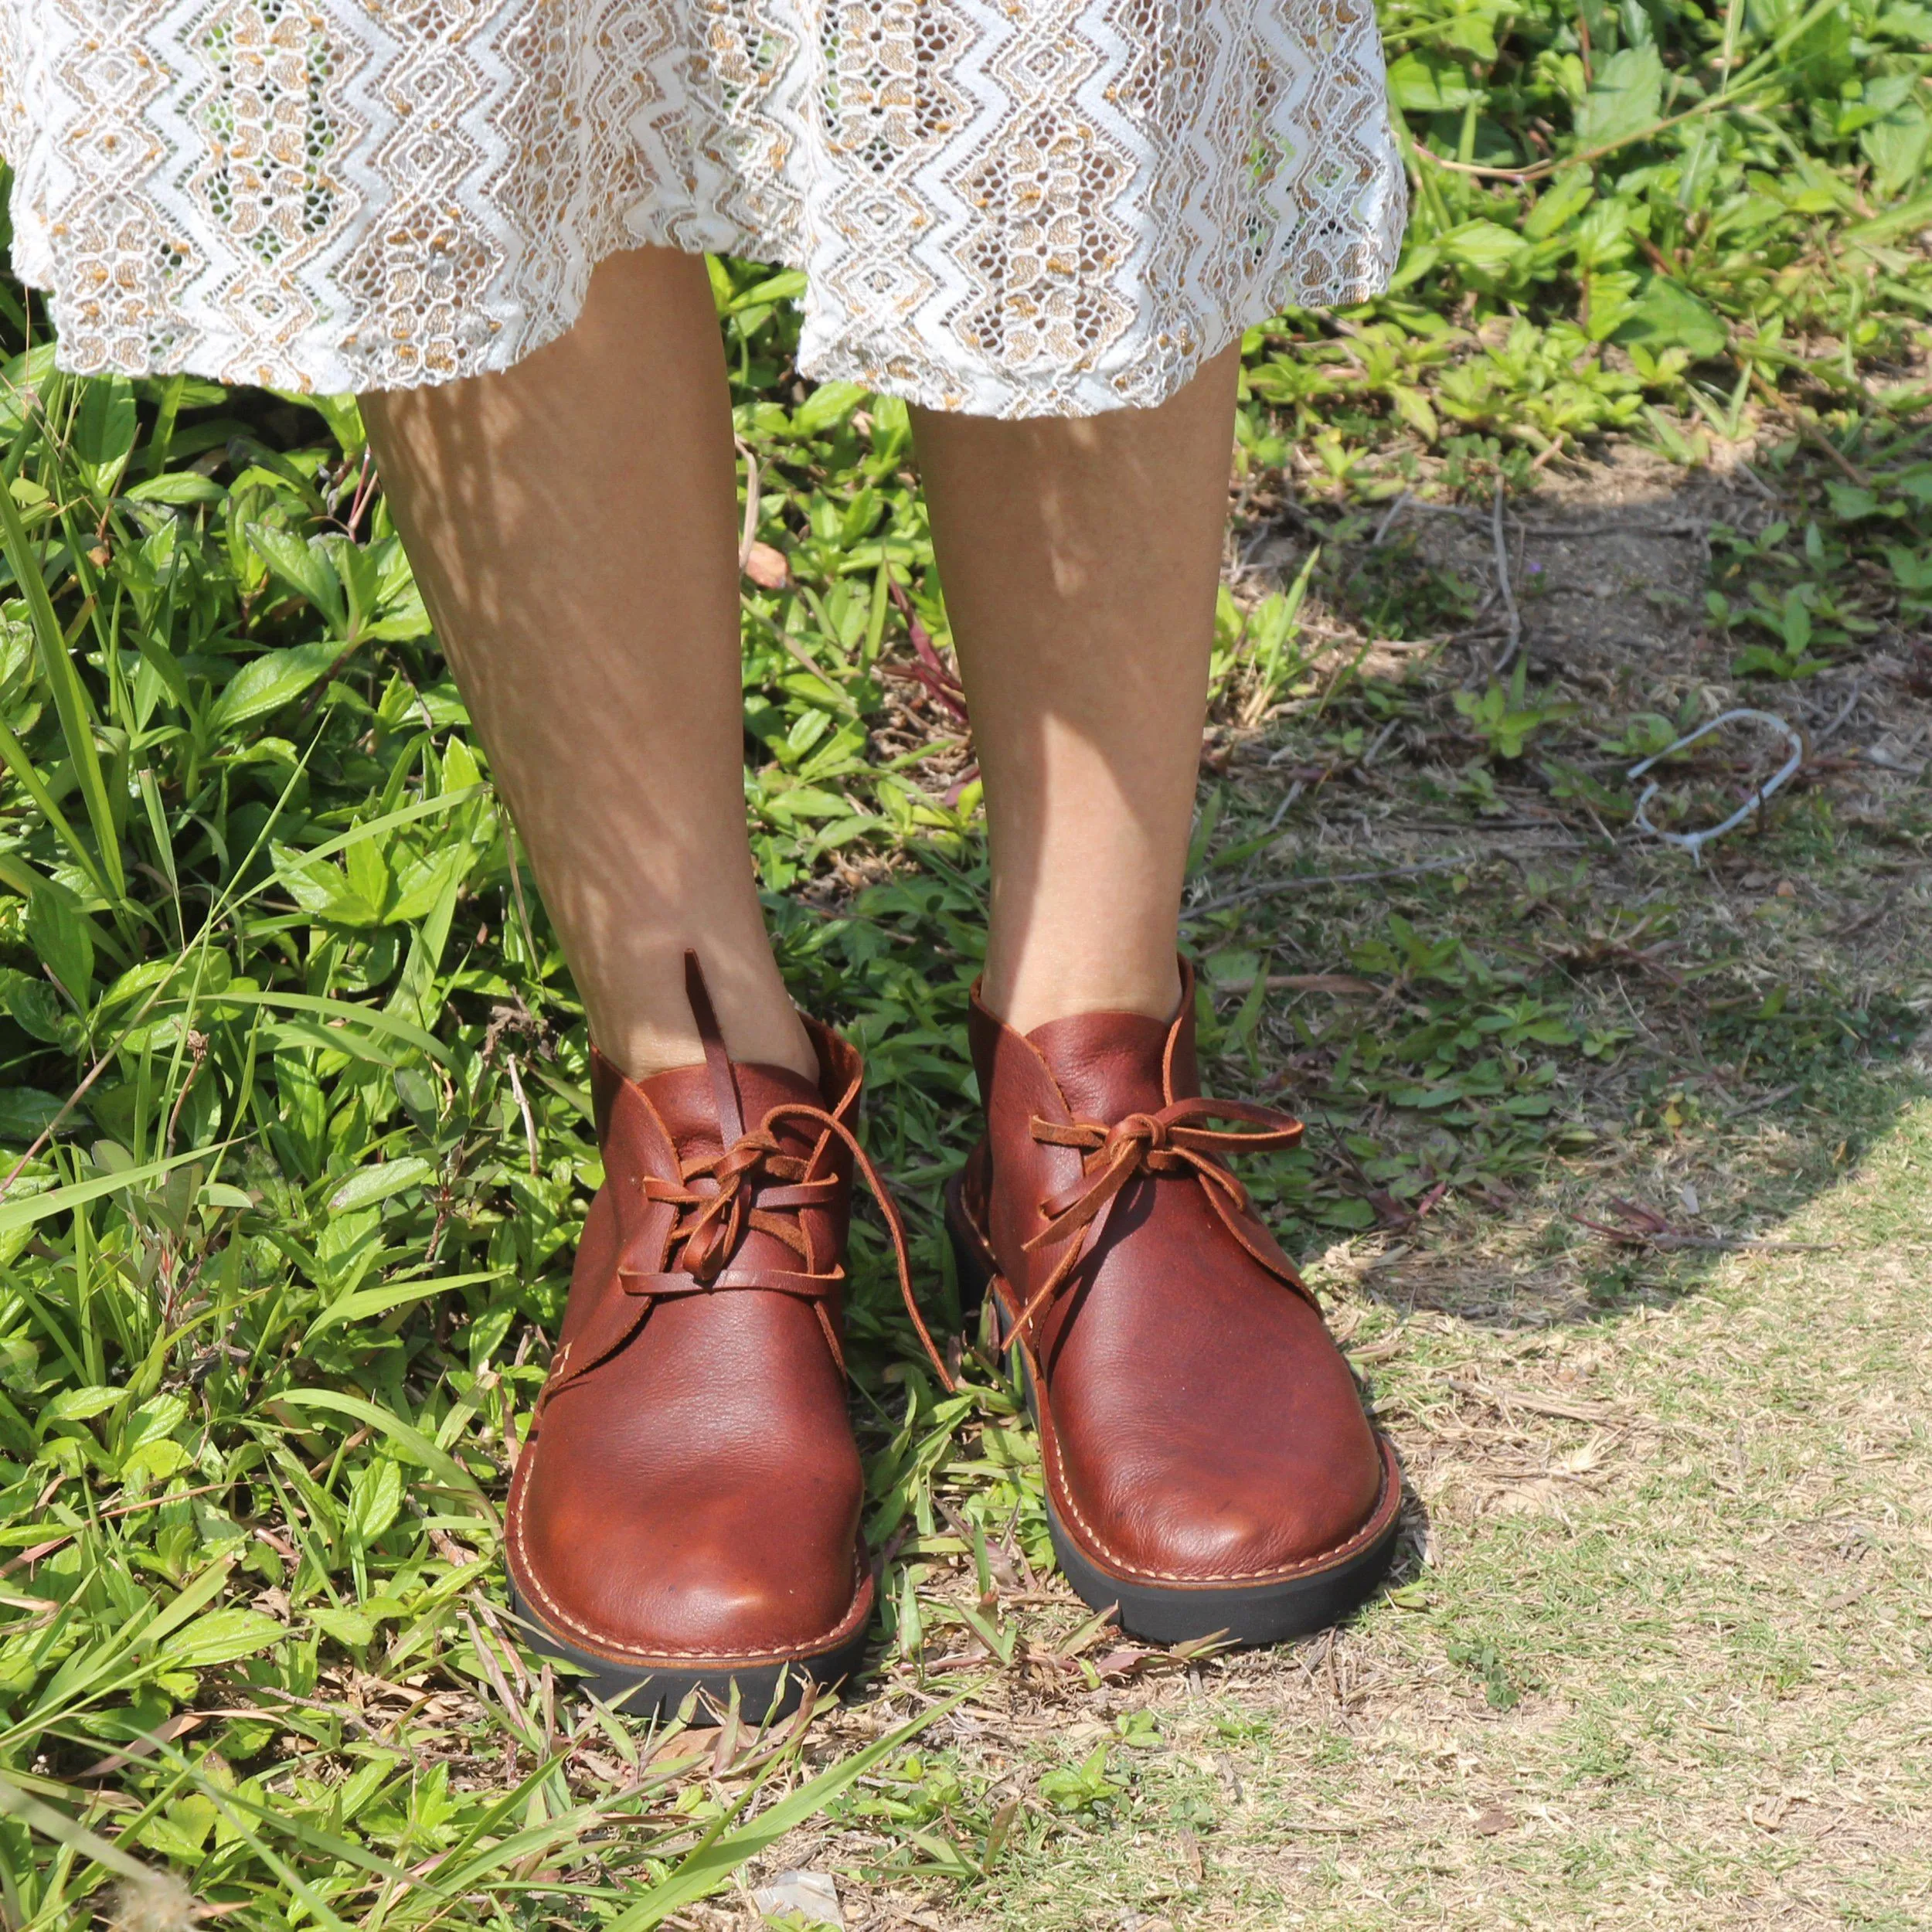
(1209, 1467)
(685, 1515)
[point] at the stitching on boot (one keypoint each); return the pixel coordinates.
(859, 1611)
(1388, 1497)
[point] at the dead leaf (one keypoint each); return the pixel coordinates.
(166, 1732)
(811, 1895)
(766, 567)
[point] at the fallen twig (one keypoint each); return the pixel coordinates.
(754, 480)
(1345, 984)
(1843, 712)
(1304, 882)
(1512, 618)
(1646, 1228)
(39, 1550)
(1609, 527)
(1507, 1399)
(1615, 526)
(1808, 428)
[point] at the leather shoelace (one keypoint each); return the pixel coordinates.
(753, 1183)
(1168, 1142)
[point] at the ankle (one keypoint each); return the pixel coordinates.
(760, 1025)
(1030, 991)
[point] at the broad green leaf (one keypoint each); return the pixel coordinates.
(826, 407)
(1896, 148)
(1627, 100)
(1481, 244)
(26, 1113)
(104, 433)
(80, 1405)
(153, 1420)
(304, 567)
(344, 418)
(267, 682)
(330, 892)
(372, 1184)
(60, 934)
(1424, 83)
(349, 1627)
(36, 1008)
(1666, 315)
(787, 285)
(222, 1637)
(377, 828)
(177, 487)
(1560, 204)
(375, 1499)
(1851, 503)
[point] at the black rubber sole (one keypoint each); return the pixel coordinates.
(1252, 1615)
(765, 1692)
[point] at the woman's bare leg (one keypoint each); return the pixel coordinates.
(1080, 560)
(573, 523)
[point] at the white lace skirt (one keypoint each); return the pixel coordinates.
(1011, 207)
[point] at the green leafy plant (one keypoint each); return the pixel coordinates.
(1083, 1788)
(1480, 1657)
(1506, 717)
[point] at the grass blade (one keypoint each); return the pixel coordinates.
(71, 701)
(711, 1865)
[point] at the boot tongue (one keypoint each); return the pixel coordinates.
(685, 1102)
(1108, 1065)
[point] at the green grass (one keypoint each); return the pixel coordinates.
(293, 1082)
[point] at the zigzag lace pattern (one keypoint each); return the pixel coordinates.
(1047, 208)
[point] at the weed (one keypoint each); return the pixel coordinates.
(1505, 719)
(1082, 1787)
(1480, 1657)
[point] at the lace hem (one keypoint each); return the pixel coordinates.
(1053, 210)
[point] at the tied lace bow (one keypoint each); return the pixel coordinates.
(754, 1183)
(1169, 1142)
(749, 1185)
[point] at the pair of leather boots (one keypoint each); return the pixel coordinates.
(685, 1513)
